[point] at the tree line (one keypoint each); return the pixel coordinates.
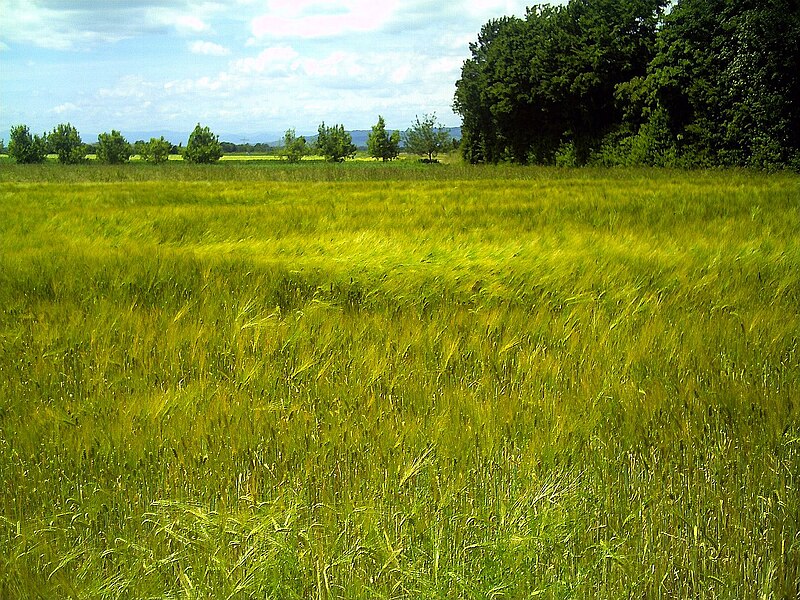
(65, 142)
(688, 83)
(426, 137)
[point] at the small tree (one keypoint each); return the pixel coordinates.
(139, 147)
(334, 143)
(382, 146)
(65, 141)
(156, 151)
(26, 148)
(203, 146)
(294, 148)
(427, 137)
(113, 148)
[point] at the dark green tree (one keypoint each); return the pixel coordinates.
(334, 143)
(537, 83)
(203, 146)
(65, 142)
(294, 147)
(724, 87)
(427, 138)
(155, 151)
(26, 148)
(381, 145)
(113, 148)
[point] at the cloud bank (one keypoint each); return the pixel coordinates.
(247, 66)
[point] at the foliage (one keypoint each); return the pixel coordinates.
(427, 138)
(26, 148)
(246, 148)
(294, 148)
(155, 151)
(203, 146)
(334, 143)
(535, 83)
(726, 81)
(471, 383)
(711, 83)
(113, 148)
(383, 146)
(65, 142)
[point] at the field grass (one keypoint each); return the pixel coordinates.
(387, 381)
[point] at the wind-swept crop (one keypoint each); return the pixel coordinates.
(358, 383)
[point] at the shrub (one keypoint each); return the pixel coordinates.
(26, 148)
(427, 138)
(113, 148)
(203, 146)
(156, 151)
(65, 142)
(381, 145)
(334, 143)
(294, 148)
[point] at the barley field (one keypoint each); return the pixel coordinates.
(389, 381)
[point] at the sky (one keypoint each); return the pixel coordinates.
(247, 67)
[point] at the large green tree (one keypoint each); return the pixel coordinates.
(334, 143)
(724, 87)
(294, 147)
(26, 148)
(427, 137)
(65, 142)
(203, 146)
(534, 84)
(712, 82)
(156, 151)
(113, 148)
(382, 145)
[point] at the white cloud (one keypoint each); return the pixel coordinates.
(182, 22)
(67, 107)
(285, 63)
(338, 64)
(178, 87)
(130, 87)
(69, 25)
(271, 60)
(315, 19)
(208, 49)
(28, 23)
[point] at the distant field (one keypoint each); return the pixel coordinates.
(398, 381)
(361, 156)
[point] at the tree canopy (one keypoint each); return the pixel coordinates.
(334, 143)
(203, 146)
(426, 137)
(113, 148)
(294, 147)
(65, 142)
(621, 81)
(382, 145)
(155, 151)
(26, 148)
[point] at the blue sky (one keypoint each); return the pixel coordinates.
(241, 66)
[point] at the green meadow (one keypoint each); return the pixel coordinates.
(388, 381)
